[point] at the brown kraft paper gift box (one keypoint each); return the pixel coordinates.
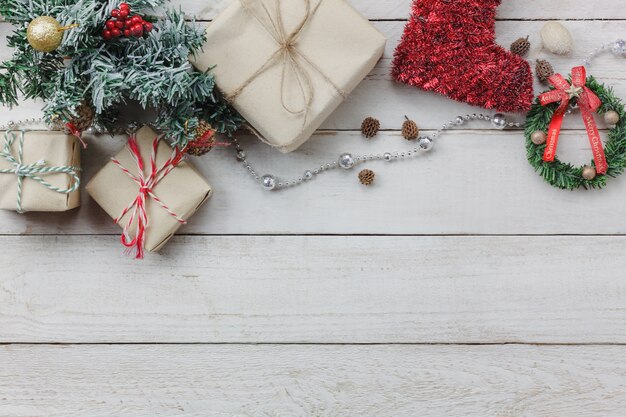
(286, 73)
(183, 190)
(54, 149)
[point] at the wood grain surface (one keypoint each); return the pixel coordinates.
(304, 381)
(458, 285)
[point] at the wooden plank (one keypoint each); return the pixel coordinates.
(400, 9)
(471, 183)
(389, 101)
(368, 381)
(325, 289)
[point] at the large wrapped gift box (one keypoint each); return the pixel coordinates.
(49, 166)
(287, 65)
(168, 203)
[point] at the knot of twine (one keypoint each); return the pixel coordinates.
(288, 54)
(146, 184)
(33, 171)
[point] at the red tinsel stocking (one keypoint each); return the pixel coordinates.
(449, 47)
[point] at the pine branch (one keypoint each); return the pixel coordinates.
(153, 70)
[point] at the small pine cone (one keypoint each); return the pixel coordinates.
(367, 177)
(85, 115)
(521, 47)
(204, 140)
(410, 131)
(370, 127)
(544, 70)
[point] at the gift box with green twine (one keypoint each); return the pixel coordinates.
(39, 171)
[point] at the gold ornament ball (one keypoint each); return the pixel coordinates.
(611, 118)
(44, 34)
(589, 173)
(538, 137)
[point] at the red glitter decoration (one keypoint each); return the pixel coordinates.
(449, 47)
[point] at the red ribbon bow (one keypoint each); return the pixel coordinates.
(588, 102)
(146, 185)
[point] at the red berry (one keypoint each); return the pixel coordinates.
(137, 30)
(128, 24)
(127, 33)
(115, 13)
(124, 6)
(116, 33)
(119, 24)
(106, 34)
(110, 24)
(136, 19)
(147, 26)
(124, 13)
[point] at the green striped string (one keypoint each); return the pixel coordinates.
(33, 171)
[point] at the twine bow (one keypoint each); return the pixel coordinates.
(33, 171)
(146, 184)
(587, 101)
(288, 54)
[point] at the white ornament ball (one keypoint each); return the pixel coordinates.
(538, 137)
(589, 173)
(611, 117)
(556, 38)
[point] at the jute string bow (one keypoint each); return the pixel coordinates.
(33, 171)
(287, 54)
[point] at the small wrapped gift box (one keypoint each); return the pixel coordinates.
(287, 65)
(149, 190)
(39, 171)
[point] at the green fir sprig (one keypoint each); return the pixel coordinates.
(567, 176)
(153, 70)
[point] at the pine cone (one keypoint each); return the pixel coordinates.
(410, 131)
(370, 127)
(366, 177)
(204, 140)
(521, 46)
(85, 115)
(544, 70)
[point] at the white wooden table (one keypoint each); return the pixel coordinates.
(459, 285)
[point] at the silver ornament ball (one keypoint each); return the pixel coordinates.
(308, 175)
(619, 47)
(346, 161)
(241, 156)
(387, 157)
(268, 182)
(499, 121)
(425, 144)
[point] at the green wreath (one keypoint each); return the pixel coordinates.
(566, 176)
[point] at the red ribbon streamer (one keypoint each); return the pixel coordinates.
(146, 185)
(588, 102)
(76, 133)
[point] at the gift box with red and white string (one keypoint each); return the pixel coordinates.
(150, 190)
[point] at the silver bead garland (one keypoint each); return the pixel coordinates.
(347, 161)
